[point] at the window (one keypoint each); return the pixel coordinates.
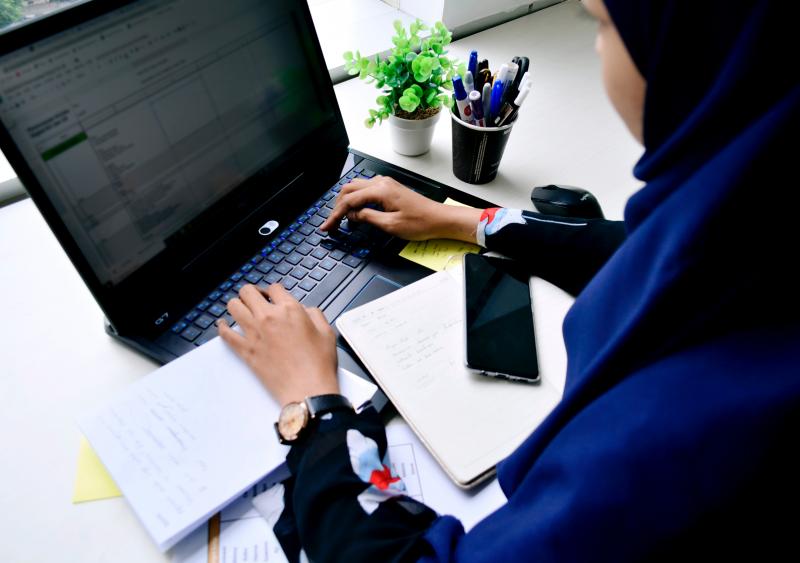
(14, 11)
(366, 25)
(350, 25)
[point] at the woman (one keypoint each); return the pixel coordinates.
(673, 439)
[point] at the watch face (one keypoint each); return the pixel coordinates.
(293, 419)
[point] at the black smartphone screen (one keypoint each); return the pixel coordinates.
(499, 319)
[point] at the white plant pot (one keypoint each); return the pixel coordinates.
(412, 137)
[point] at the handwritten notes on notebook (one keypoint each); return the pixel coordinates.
(186, 439)
(439, 254)
(412, 342)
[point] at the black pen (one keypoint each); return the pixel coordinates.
(510, 109)
(482, 75)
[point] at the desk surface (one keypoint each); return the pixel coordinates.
(57, 361)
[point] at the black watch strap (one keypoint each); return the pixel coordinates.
(321, 404)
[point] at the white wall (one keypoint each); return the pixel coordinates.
(429, 11)
(471, 15)
(458, 13)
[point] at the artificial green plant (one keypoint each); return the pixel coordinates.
(416, 76)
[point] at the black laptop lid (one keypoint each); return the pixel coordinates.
(148, 132)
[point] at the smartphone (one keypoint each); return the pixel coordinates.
(500, 340)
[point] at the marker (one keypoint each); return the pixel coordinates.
(469, 83)
(487, 99)
(511, 110)
(462, 102)
(497, 100)
(475, 100)
(473, 63)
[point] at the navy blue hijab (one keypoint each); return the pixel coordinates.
(712, 234)
(677, 433)
(684, 352)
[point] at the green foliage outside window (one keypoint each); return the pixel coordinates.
(416, 77)
(10, 11)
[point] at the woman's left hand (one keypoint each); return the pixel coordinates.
(290, 348)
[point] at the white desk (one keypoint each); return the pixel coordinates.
(57, 361)
(567, 132)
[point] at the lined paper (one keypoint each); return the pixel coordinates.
(412, 342)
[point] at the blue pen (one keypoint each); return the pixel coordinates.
(473, 63)
(496, 103)
(502, 76)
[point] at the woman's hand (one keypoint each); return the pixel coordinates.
(291, 349)
(405, 213)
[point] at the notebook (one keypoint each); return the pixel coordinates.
(191, 436)
(412, 343)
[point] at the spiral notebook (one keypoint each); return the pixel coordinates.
(412, 343)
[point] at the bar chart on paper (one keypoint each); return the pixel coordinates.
(237, 533)
(403, 463)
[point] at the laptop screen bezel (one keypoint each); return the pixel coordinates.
(139, 304)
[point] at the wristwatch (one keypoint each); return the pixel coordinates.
(296, 417)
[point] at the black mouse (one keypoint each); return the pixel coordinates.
(566, 201)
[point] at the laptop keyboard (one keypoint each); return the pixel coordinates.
(308, 262)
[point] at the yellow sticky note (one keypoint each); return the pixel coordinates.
(449, 201)
(439, 254)
(92, 481)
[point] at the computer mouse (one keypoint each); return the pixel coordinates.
(566, 201)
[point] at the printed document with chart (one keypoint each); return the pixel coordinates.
(240, 533)
(412, 342)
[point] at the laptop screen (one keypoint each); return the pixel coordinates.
(137, 121)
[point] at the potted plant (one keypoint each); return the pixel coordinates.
(415, 80)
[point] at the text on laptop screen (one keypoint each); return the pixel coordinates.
(137, 121)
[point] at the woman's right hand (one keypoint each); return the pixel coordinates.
(404, 213)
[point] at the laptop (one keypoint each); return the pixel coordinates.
(180, 149)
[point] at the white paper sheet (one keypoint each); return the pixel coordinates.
(238, 533)
(186, 439)
(242, 539)
(427, 482)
